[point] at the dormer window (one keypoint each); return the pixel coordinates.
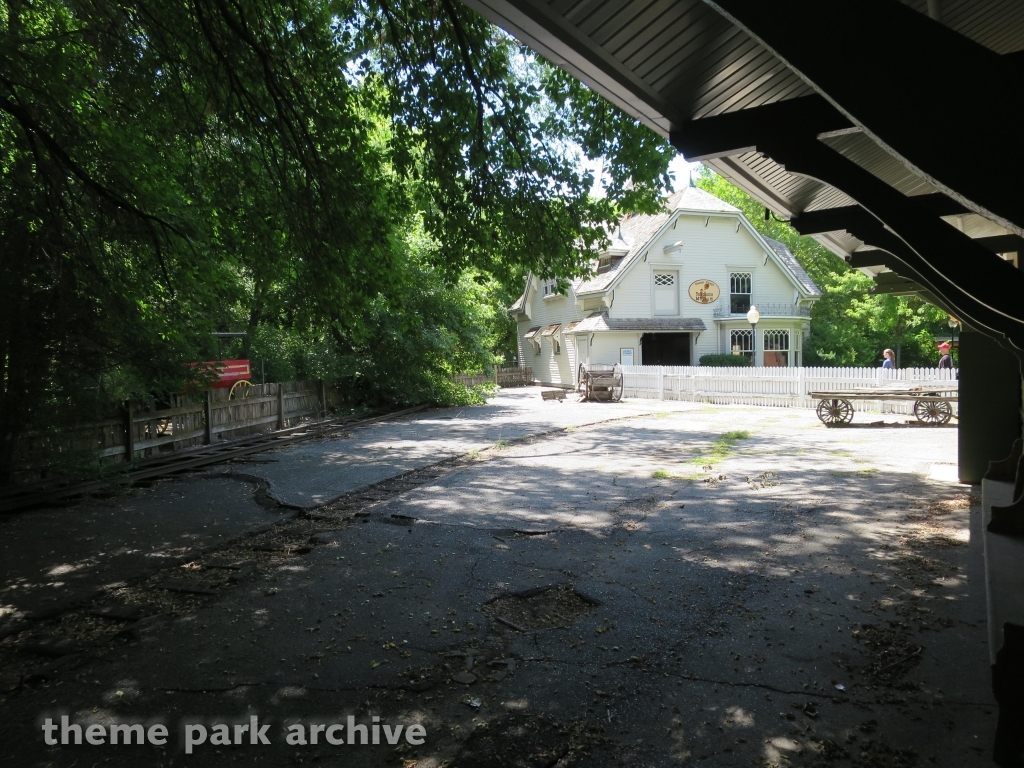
(604, 264)
(549, 288)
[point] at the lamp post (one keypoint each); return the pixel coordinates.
(752, 317)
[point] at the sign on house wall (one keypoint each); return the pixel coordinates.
(704, 291)
(626, 355)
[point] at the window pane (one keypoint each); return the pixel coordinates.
(776, 348)
(739, 292)
(742, 343)
(739, 304)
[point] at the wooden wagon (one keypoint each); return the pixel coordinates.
(600, 383)
(932, 402)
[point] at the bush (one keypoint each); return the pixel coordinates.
(725, 361)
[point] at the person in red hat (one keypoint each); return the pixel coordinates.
(945, 361)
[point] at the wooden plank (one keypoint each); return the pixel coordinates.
(280, 406)
(167, 413)
(245, 401)
(208, 418)
(172, 438)
(231, 426)
(869, 396)
(129, 451)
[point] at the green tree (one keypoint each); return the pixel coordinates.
(349, 182)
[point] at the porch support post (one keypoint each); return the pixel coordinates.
(989, 406)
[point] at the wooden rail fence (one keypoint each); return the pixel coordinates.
(145, 430)
(512, 376)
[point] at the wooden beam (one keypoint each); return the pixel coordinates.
(830, 220)
(849, 218)
(938, 204)
(835, 219)
(1002, 243)
(735, 132)
(869, 259)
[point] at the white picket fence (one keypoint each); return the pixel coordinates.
(779, 387)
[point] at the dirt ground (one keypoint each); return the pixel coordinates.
(685, 585)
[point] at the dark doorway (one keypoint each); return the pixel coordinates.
(665, 348)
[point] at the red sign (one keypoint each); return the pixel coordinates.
(229, 371)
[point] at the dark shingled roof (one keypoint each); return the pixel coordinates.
(789, 260)
(600, 321)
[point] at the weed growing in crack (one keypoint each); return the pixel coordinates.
(722, 448)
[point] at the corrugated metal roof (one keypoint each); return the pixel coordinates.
(600, 323)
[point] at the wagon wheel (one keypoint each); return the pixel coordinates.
(616, 388)
(581, 380)
(240, 389)
(590, 390)
(835, 411)
(935, 412)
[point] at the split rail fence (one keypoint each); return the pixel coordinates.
(780, 387)
(144, 429)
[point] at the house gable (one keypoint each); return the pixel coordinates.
(669, 245)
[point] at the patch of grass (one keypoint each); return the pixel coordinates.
(865, 472)
(502, 444)
(737, 434)
(722, 448)
(664, 474)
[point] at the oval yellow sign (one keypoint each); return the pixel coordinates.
(704, 291)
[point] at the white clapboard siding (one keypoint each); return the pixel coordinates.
(779, 387)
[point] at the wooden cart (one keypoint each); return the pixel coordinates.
(600, 383)
(932, 403)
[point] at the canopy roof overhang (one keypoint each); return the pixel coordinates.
(903, 154)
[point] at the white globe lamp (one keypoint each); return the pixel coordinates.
(752, 317)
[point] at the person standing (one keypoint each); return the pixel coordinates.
(945, 362)
(890, 358)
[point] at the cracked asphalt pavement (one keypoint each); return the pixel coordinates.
(690, 585)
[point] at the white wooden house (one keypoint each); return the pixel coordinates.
(671, 288)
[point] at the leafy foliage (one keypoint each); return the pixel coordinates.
(353, 184)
